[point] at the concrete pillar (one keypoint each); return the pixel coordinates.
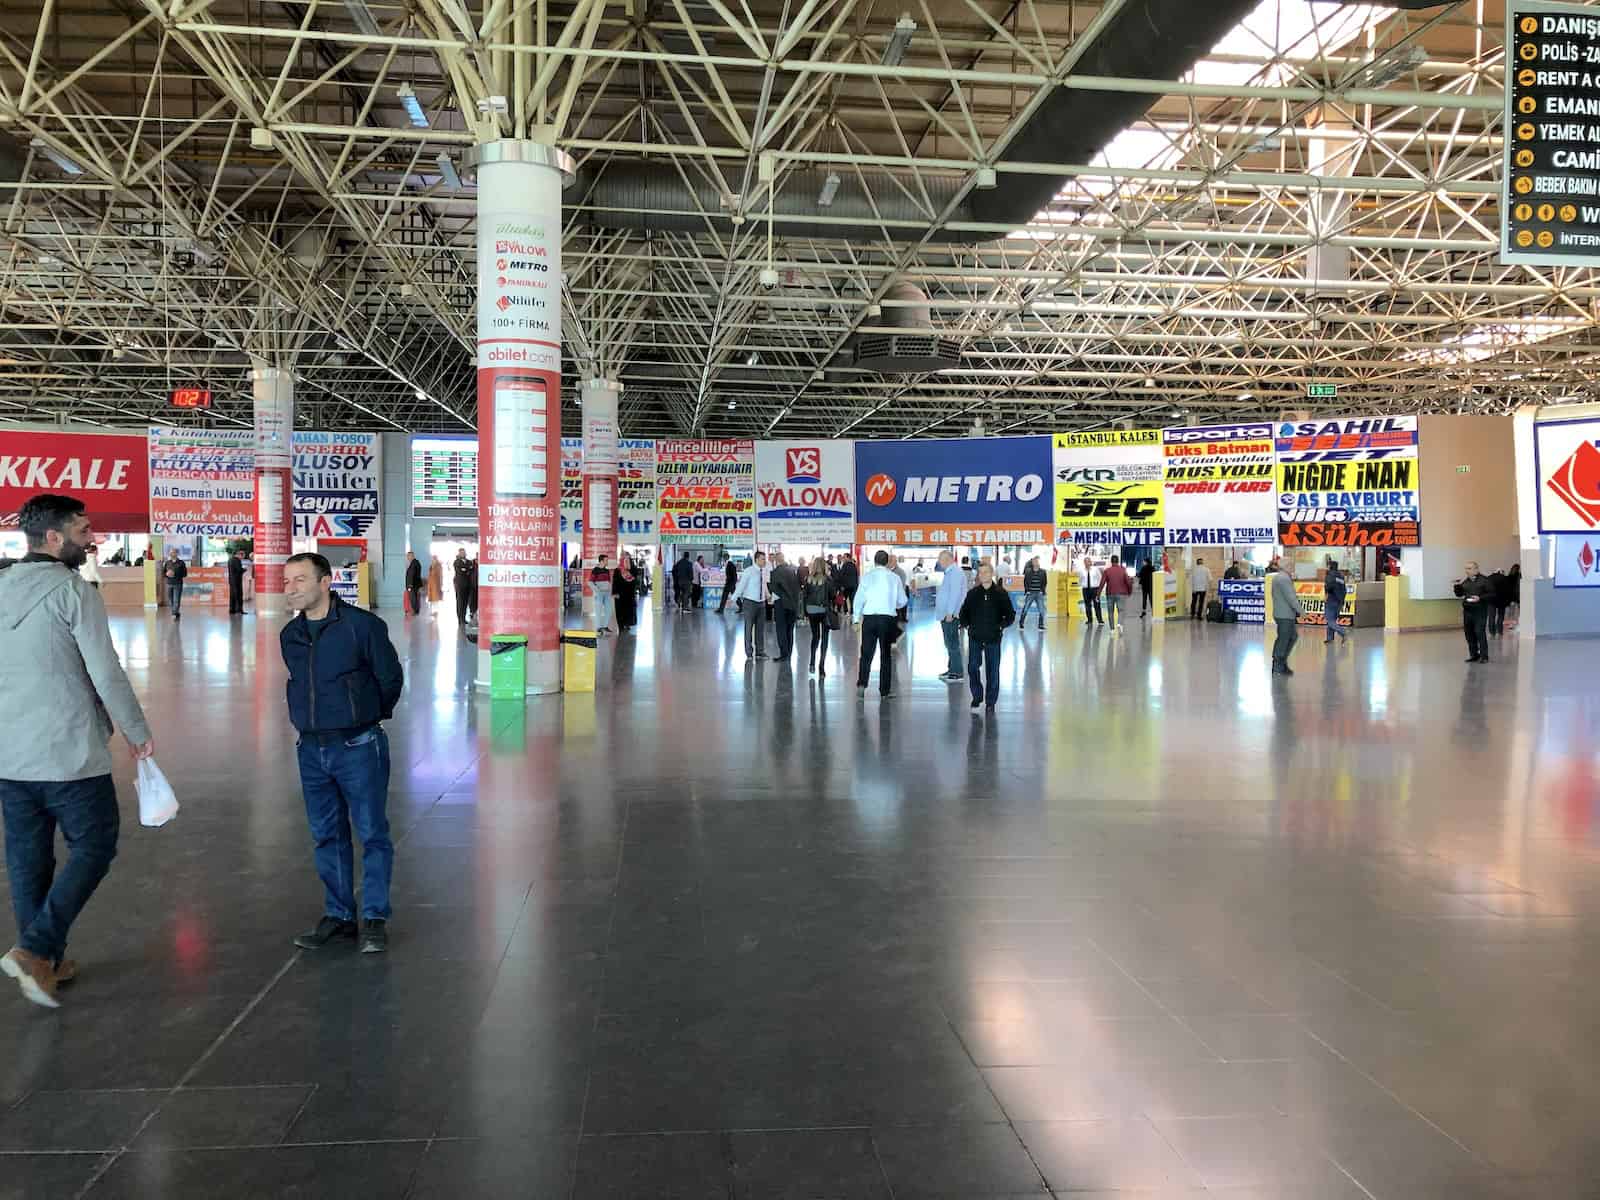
(519, 401)
(600, 464)
(273, 389)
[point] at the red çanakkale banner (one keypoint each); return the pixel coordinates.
(109, 472)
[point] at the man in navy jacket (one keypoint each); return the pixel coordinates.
(344, 680)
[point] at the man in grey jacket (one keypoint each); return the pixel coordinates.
(61, 686)
(1286, 610)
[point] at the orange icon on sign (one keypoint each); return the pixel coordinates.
(1523, 186)
(1530, 25)
(1524, 158)
(1547, 212)
(1523, 212)
(1524, 238)
(1526, 105)
(1528, 52)
(1526, 77)
(1525, 132)
(1546, 238)
(1569, 212)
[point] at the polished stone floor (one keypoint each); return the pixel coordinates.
(1161, 924)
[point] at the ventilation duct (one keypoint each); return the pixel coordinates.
(1147, 39)
(914, 348)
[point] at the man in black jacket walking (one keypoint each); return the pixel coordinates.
(173, 572)
(985, 613)
(344, 681)
(730, 581)
(1476, 594)
(413, 583)
(683, 581)
(784, 585)
(235, 583)
(461, 579)
(1034, 582)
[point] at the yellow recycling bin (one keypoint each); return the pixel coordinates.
(578, 647)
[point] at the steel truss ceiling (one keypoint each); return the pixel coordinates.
(149, 237)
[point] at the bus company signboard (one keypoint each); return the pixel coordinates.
(1349, 481)
(1218, 486)
(1108, 480)
(960, 491)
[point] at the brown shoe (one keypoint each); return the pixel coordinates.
(66, 971)
(35, 976)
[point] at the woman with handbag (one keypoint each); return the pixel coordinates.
(816, 596)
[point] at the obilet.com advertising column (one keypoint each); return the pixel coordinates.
(519, 402)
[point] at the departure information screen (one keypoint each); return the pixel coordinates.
(444, 477)
(1550, 206)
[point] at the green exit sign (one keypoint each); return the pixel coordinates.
(1322, 391)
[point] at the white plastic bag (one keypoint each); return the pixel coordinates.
(157, 804)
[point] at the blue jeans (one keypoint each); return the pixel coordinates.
(952, 646)
(346, 781)
(175, 595)
(46, 904)
(986, 654)
(1031, 600)
(602, 605)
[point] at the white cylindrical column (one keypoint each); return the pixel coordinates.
(601, 460)
(273, 389)
(519, 402)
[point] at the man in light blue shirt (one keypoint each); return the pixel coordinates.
(752, 597)
(952, 591)
(879, 600)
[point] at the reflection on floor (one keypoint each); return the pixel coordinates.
(723, 929)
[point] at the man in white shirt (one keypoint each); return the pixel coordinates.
(952, 591)
(1090, 576)
(1199, 585)
(751, 595)
(879, 598)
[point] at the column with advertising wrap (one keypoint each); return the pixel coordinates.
(601, 461)
(519, 402)
(273, 389)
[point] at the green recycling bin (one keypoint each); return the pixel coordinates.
(508, 666)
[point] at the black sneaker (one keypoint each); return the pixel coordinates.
(976, 704)
(327, 929)
(374, 937)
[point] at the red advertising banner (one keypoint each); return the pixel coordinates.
(109, 472)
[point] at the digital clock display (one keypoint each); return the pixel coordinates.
(191, 398)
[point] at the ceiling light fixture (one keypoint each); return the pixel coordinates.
(447, 172)
(421, 395)
(752, 358)
(732, 404)
(413, 106)
(1247, 396)
(895, 52)
(55, 156)
(830, 189)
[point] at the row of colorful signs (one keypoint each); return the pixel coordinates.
(186, 483)
(1349, 482)
(1346, 482)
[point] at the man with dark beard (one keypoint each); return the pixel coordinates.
(61, 686)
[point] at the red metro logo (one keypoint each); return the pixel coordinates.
(1585, 560)
(1577, 482)
(881, 490)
